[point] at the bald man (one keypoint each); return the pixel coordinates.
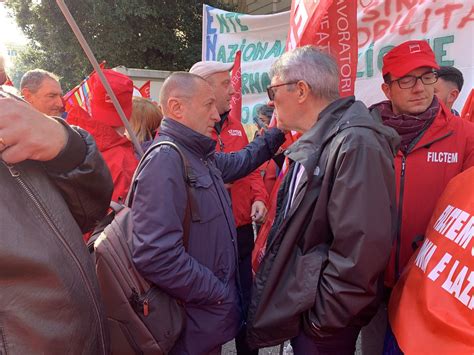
(203, 277)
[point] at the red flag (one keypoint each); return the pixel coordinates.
(468, 109)
(145, 89)
(331, 25)
(236, 80)
(431, 306)
(305, 16)
(80, 95)
(8, 82)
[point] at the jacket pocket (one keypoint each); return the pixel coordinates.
(308, 269)
(286, 297)
(207, 199)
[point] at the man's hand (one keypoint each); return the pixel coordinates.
(259, 212)
(25, 133)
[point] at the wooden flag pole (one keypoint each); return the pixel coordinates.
(85, 46)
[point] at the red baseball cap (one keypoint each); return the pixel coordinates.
(408, 56)
(102, 108)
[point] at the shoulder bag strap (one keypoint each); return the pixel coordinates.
(188, 178)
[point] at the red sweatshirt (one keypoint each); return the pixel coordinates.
(245, 191)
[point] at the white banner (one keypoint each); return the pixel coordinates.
(448, 25)
(261, 38)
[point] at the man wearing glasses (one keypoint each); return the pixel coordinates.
(435, 146)
(322, 275)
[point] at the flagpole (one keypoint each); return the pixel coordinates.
(72, 91)
(85, 46)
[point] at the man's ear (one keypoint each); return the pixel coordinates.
(386, 90)
(453, 95)
(26, 93)
(175, 108)
(303, 90)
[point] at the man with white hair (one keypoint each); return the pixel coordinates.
(322, 276)
(249, 195)
(43, 91)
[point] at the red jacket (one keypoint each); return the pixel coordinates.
(244, 192)
(268, 172)
(445, 149)
(117, 151)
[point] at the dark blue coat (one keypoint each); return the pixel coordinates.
(204, 277)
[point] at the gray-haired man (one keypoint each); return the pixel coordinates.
(321, 278)
(42, 90)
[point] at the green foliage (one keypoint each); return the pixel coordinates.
(149, 34)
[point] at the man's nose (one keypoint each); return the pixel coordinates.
(231, 89)
(419, 86)
(215, 115)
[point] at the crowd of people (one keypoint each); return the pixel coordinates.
(341, 209)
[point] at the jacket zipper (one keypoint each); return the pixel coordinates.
(221, 143)
(399, 217)
(401, 194)
(234, 241)
(427, 145)
(16, 174)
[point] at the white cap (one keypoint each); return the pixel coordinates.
(206, 69)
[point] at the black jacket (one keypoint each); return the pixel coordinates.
(323, 264)
(49, 297)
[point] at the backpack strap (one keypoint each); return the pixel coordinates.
(188, 176)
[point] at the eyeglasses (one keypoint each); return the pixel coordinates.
(409, 81)
(271, 92)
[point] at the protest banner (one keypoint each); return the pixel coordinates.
(261, 40)
(448, 25)
(434, 298)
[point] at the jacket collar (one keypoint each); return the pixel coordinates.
(193, 141)
(307, 149)
(340, 114)
(219, 125)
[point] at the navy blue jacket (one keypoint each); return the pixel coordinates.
(204, 277)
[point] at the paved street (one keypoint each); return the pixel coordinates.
(229, 349)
